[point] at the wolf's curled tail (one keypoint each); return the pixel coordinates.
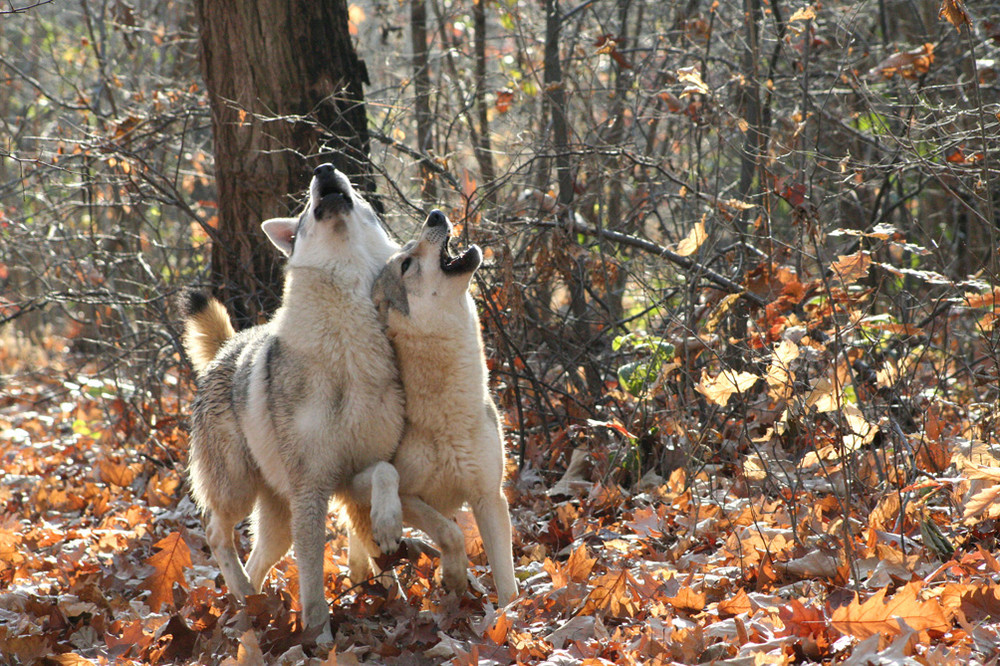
(206, 327)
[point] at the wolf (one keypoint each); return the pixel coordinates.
(289, 413)
(452, 448)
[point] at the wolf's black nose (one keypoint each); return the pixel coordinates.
(436, 218)
(323, 170)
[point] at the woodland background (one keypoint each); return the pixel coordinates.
(740, 308)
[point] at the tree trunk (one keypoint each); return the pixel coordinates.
(285, 86)
(422, 104)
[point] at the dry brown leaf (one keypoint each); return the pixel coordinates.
(876, 615)
(955, 13)
(687, 600)
(817, 564)
(691, 77)
(736, 605)
(981, 501)
(908, 64)
(852, 267)
(611, 594)
(579, 565)
(885, 513)
(719, 389)
(803, 14)
(779, 376)
(692, 241)
(170, 563)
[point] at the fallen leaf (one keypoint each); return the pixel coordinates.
(719, 389)
(170, 563)
(876, 615)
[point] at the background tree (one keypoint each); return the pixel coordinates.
(285, 85)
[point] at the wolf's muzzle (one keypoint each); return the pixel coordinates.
(333, 192)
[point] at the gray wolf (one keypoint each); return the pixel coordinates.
(289, 412)
(452, 448)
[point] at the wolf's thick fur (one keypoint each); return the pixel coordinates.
(452, 449)
(288, 413)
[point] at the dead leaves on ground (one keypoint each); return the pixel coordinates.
(814, 528)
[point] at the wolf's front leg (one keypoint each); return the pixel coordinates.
(309, 507)
(378, 486)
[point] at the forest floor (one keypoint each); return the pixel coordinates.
(103, 559)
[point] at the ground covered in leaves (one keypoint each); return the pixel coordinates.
(826, 553)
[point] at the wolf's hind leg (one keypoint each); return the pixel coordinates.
(222, 540)
(493, 519)
(358, 559)
(446, 534)
(272, 535)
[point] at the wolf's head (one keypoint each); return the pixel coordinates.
(337, 225)
(425, 282)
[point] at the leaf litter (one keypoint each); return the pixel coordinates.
(834, 536)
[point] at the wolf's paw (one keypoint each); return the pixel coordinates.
(455, 579)
(387, 526)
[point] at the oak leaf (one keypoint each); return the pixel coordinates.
(169, 564)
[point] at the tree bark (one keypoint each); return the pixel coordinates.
(422, 104)
(284, 85)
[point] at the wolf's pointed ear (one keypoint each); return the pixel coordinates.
(388, 292)
(281, 232)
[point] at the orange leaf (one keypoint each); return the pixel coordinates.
(852, 267)
(688, 600)
(989, 299)
(954, 12)
(736, 605)
(498, 632)
(579, 565)
(611, 594)
(876, 615)
(908, 64)
(504, 97)
(169, 564)
(802, 620)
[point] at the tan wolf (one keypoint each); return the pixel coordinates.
(289, 412)
(452, 448)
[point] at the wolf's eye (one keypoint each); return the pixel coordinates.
(405, 266)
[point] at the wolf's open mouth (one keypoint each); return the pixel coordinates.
(466, 262)
(332, 198)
